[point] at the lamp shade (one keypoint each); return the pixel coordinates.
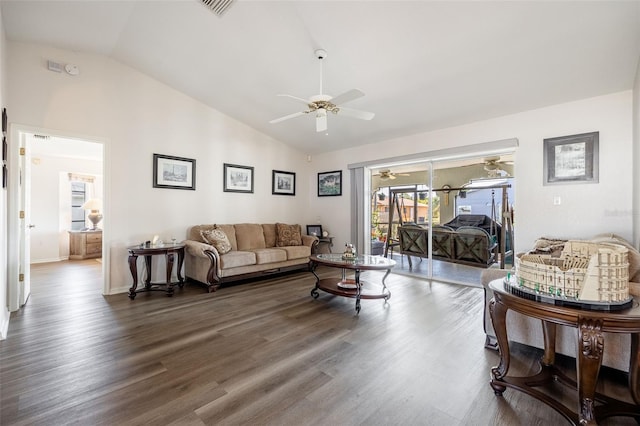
(92, 204)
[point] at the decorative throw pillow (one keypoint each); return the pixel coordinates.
(288, 235)
(217, 238)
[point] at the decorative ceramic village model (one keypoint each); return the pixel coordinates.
(587, 275)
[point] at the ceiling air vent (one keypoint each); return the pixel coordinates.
(219, 7)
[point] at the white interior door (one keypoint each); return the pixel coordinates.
(25, 222)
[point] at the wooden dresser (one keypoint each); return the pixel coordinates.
(85, 244)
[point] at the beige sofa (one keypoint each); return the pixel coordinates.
(528, 331)
(254, 252)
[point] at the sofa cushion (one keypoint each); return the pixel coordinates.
(288, 235)
(269, 255)
(269, 230)
(217, 238)
(249, 236)
(297, 252)
(233, 259)
(230, 232)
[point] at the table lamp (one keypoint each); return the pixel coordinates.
(93, 204)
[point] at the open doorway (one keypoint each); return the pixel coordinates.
(64, 204)
(452, 217)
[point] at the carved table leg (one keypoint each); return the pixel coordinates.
(314, 291)
(170, 260)
(549, 332)
(133, 267)
(180, 262)
(590, 350)
(385, 290)
(498, 313)
(147, 280)
(358, 290)
(634, 368)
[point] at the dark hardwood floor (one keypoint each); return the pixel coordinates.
(259, 353)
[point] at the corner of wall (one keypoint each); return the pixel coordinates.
(4, 241)
(635, 123)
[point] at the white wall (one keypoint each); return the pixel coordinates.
(50, 191)
(586, 209)
(4, 312)
(138, 116)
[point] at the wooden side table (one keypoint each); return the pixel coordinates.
(169, 251)
(324, 244)
(592, 406)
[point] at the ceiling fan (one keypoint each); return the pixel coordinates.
(388, 174)
(322, 104)
(493, 166)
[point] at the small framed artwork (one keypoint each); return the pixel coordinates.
(315, 230)
(238, 178)
(174, 172)
(4, 148)
(4, 120)
(571, 159)
(330, 184)
(283, 183)
(4, 175)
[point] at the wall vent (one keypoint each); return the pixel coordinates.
(219, 7)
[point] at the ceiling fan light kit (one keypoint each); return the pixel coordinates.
(323, 103)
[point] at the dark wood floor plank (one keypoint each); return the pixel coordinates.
(257, 353)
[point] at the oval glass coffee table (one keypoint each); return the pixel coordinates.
(352, 287)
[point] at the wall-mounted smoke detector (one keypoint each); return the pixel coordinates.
(72, 69)
(219, 7)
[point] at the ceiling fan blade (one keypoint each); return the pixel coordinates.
(287, 117)
(321, 121)
(354, 113)
(347, 97)
(304, 101)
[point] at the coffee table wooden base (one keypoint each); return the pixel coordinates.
(365, 290)
(352, 287)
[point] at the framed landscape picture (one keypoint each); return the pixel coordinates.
(238, 178)
(174, 172)
(330, 184)
(571, 159)
(283, 183)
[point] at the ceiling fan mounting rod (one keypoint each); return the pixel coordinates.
(321, 54)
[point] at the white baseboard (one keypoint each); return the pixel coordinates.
(57, 259)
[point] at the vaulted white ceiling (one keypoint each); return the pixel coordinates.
(423, 65)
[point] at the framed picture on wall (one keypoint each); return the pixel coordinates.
(571, 159)
(315, 230)
(283, 183)
(4, 120)
(330, 184)
(238, 178)
(174, 172)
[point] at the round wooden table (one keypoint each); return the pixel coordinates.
(352, 287)
(169, 251)
(592, 406)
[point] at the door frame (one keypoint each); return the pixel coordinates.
(17, 131)
(505, 146)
